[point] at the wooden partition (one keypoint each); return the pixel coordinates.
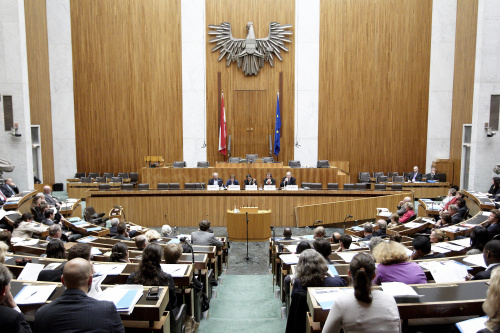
(127, 66)
(359, 208)
(374, 83)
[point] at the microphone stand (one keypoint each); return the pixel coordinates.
(247, 257)
(192, 256)
(347, 216)
(272, 250)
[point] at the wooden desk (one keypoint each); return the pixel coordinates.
(258, 226)
(424, 190)
(24, 203)
(73, 209)
(480, 200)
(466, 226)
(79, 190)
(83, 230)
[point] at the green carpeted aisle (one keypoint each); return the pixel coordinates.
(244, 303)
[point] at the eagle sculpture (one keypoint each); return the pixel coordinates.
(250, 53)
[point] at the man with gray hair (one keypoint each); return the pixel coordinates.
(166, 230)
(401, 207)
(141, 242)
(55, 232)
(374, 241)
(455, 217)
(113, 224)
(287, 180)
(216, 180)
(319, 232)
(9, 188)
(204, 237)
(382, 229)
(367, 231)
(10, 315)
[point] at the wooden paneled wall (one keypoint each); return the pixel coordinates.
(127, 82)
(374, 83)
(39, 81)
(233, 79)
(463, 79)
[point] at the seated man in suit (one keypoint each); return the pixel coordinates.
(491, 255)
(335, 238)
(367, 231)
(422, 249)
(250, 180)
(141, 242)
(216, 180)
(492, 223)
(204, 237)
(432, 175)
(232, 181)
(287, 180)
(49, 217)
(10, 315)
(121, 232)
(345, 243)
(319, 232)
(415, 176)
(55, 232)
(9, 188)
(287, 234)
(47, 193)
(462, 208)
(74, 310)
(455, 216)
(401, 207)
(382, 231)
(113, 224)
(269, 179)
(55, 249)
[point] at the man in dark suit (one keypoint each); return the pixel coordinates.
(382, 231)
(204, 237)
(491, 255)
(269, 179)
(287, 180)
(367, 231)
(47, 194)
(287, 234)
(9, 188)
(79, 250)
(121, 231)
(216, 180)
(422, 249)
(462, 208)
(492, 224)
(11, 318)
(432, 175)
(250, 180)
(49, 217)
(74, 310)
(455, 217)
(415, 176)
(112, 229)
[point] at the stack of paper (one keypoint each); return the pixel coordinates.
(125, 297)
(465, 242)
(476, 260)
(357, 228)
(413, 224)
(472, 325)
(109, 269)
(347, 256)
(87, 239)
(74, 219)
(81, 224)
(34, 294)
(27, 242)
(326, 297)
(95, 289)
(30, 272)
(95, 251)
(449, 246)
(15, 240)
(177, 270)
(446, 271)
(290, 259)
(399, 289)
(291, 248)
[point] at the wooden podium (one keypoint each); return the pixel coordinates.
(259, 223)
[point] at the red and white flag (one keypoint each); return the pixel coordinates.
(222, 127)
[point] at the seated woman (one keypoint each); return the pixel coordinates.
(479, 236)
(24, 227)
(491, 306)
(4, 248)
(154, 236)
(232, 181)
(119, 253)
(494, 190)
(394, 265)
(171, 254)
(312, 271)
(362, 309)
(149, 273)
(437, 236)
(290, 278)
(56, 250)
(394, 221)
(409, 213)
(444, 221)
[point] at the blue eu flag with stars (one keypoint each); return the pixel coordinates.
(277, 128)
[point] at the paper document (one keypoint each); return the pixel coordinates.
(326, 297)
(347, 256)
(354, 247)
(2, 213)
(177, 270)
(476, 260)
(95, 251)
(290, 259)
(34, 294)
(291, 248)
(87, 239)
(445, 271)
(357, 228)
(399, 289)
(465, 242)
(124, 297)
(109, 269)
(96, 290)
(413, 225)
(472, 325)
(94, 229)
(30, 272)
(449, 246)
(52, 266)
(438, 249)
(27, 242)
(15, 240)
(485, 213)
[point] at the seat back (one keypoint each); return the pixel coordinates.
(322, 164)
(392, 174)
(104, 187)
(190, 186)
(234, 160)
(100, 179)
(268, 159)
(123, 175)
(333, 186)
(179, 164)
(108, 174)
(377, 174)
(441, 177)
(294, 164)
(162, 186)
(360, 186)
(86, 180)
(382, 179)
(349, 187)
(396, 187)
(80, 174)
(134, 177)
(143, 187)
(380, 187)
(305, 184)
(398, 179)
(174, 186)
(297, 315)
(316, 186)
(94, 174)
(364, 177)
(412, 218)
(203, 164)
(116, 179)
(127, 187)
(251, 157)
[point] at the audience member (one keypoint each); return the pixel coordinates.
(432, 175)
(323, 247)
(47, 193)
(215, 180)
(49, 217)
(287, 180)
(491, 305)
(374, 241)
(437, 236)
(367, 231)
(113, 225)
(491, 255)
(319, 232)
(362, 309)
(203, 237)
(422, 249)
(494, 190)
(287, 234)
(396, 237)
(171, 254)
(478, 238)
(451, 194)
(335, 238)
(394, 265)
(9, 189)
(24, 227)
(269, 179)
(11, 318)
(55, 232)
(345, 243)
(185, 247)
(74, 311)
(445, 221)
(55, 249)
(492, 224)
(382, 229)
(453, 201)
(154, 236)
(232, 181)
(455, 216)
(5, 237)
(166, 230)
(121, 232)
(463, 210)
(80, 250)
(141, 242)
(302, 246)
(3, 251)
(415, 176)
(250, 181)
(409, 213)
(312, 272)
(401, 207)
(394, 220)
(119, 253)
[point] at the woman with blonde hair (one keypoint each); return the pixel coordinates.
(394, 265)
(4, 248)
(153, 236)
(491, 305)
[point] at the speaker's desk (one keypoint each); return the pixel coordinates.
(259, 224)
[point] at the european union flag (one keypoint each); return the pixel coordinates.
(277, 127)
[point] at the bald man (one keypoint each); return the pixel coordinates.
(74, 311)
(287, 180)
(401, 207)
(47, 194)
(9, 188)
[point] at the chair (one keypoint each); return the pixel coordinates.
(349, 187)
(127, 187)
(316, 186)
(203, 164)
(174, 186)
(104, 187)
(124, 175)
(305, 184)
(364, 177)
(80, 174)
(380, 187)
(396, 187)
(333, 186)
(268, 159)
(322, 164)
(381, 179)
(179, 164)
(134, 178)
(360, 186)
(295, 321)
(143, 187)
(100, 179)
(441, 177)
(191, 186)
(177, 322)
(376, 174)
(466, 214)
(108, 174)
(412, 218)
(294, 164)
(162, 186)
(116, 179)
(86, 180)
(234, 160)
(392, 174)
(398, 179)
(252, 157)
(94, 174)
(405, 175)
(91, 216)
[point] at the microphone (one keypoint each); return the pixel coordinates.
(272, 228)
(118, 206)
(349, 215)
